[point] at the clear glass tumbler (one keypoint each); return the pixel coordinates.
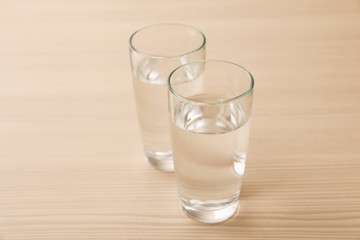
(155, 51)
(210, 123)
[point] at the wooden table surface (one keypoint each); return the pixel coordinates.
(71, 164)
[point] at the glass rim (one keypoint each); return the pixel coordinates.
(185, 99)
(132, 47)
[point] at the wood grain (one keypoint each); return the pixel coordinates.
(71, 165)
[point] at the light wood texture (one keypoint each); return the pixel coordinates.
(71, 165)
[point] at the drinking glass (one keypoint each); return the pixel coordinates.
(155, 51)
(210, 123)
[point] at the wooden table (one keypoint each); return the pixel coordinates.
(71, 164)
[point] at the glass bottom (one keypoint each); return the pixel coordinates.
(209, 211)
(160, 160)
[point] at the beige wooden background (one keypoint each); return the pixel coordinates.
(71, 165)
